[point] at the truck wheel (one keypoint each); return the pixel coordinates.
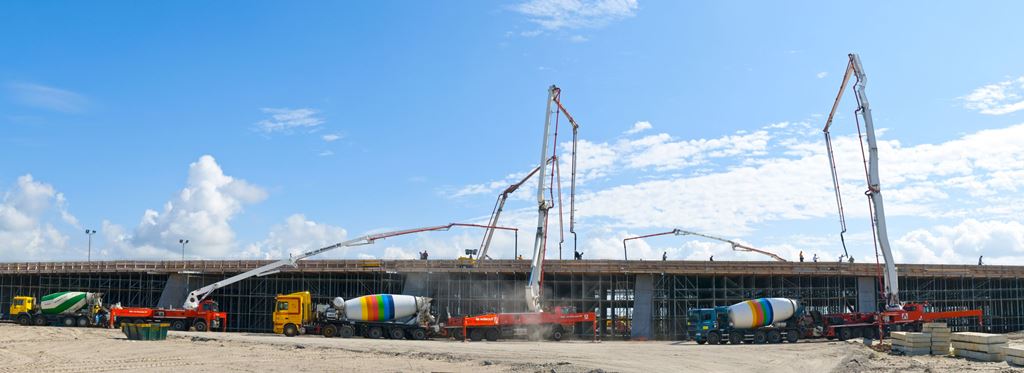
(457, 335)
(375, 332)
(701, 341)
(346, 331)
(418, 334)
(871, 332)
(774, 336)
(83, 321)
(39, 320)
(24, 319)
(557, 333)
(792, 335)
(330, 331)
(760, 337)
(476, 335)
(200, 325)
(179, 325)
(492, 334)
(714, 338)
(290, 330)
(845, 333)
(68, 321)
(396, 333)
(735, 338)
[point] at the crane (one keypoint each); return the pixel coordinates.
(533, 286)
(196, 296)
(499, 206)
(891, 291)
(679, 232)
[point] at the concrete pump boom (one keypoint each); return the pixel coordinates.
(679, 232)
(499, 206)
(196, 296)
(874, 191)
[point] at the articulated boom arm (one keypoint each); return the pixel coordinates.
(499, 206)
(196, 296)
(679, 232)
(874, 191)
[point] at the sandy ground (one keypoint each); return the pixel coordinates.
(53, 349)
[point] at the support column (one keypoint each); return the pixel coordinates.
(643, 294)
(867, 294)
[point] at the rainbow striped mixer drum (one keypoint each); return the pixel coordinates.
(761, 312)
(382, 307)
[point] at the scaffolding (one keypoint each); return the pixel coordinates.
(609, 288)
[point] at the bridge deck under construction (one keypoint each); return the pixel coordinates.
(639, 299)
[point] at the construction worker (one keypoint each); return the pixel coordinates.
(815, 257)
(577, 255)
(519, 257)
(979, 259)
(712, 258)
(664, 256)
(801, 256)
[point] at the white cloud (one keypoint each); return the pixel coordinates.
(25, 232)
(330, 137)
(998, 98)
(578, 39)
(201, 213)
(326, 153)
(1000, 242)
(297, 235)
(575, 14)
(51, 98)
(821, 75)
(639, 126)
(287, 120)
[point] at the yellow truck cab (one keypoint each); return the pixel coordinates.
(21, 305)
(291, 312)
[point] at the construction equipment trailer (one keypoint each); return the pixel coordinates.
(552, 324)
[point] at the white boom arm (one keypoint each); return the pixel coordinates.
(679, 232)
(196, 296)
(874, 192)
(543, 205)
(499, 206)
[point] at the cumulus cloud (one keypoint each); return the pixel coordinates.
(639, 127)
(46, 97)
(1000, 242)
(25, 230)
(201, 212)
(575, 14)
(998, 98)
(287, 120)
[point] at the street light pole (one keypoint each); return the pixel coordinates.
(183, 242)
(90, 232)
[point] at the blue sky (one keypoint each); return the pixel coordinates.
(258, 128)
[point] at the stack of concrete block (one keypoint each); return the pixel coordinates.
(940, 337)
(980, 346)
(911, 344)
(1014, 355)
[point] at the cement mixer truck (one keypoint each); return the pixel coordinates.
(762, 320)
(67, 308)
(372, 316)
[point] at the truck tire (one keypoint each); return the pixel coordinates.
(346, 331)
(179, 325)
(792, 335)
(774, 336)
(557, 333)
(396, 333)
(701, 341)
(200, 325)
(418, 334)
(375, 332)
(39, 320)
(330, 331)
(714, 338)
(760, 337)
(68, 321)
(845, 333)
(290, 330)
(476, 334)
(457, 335)
(83, 321)
(735, 338)
(492, 334)
(24, 319)
(872, 332)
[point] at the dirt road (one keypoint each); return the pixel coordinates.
(53, 349)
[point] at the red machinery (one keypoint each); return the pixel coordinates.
(550, 324)
(202, 318)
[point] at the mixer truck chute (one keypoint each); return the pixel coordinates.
(393, 316)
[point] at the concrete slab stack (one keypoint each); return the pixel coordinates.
(979, 346)
(1014, 355)
(911, 344)
(940, 337)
